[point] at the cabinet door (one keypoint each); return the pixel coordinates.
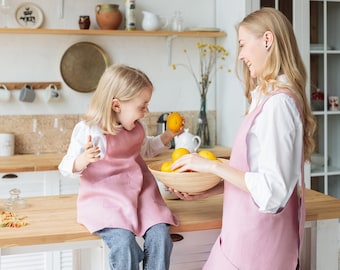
(324, 57)
(193, 250)
(68, 185)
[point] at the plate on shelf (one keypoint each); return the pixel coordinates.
(29, 15)
(82, 65)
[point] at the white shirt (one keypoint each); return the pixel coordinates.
(151, 147)
(274, 152)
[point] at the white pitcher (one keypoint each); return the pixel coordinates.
(188, 141)
(153, 22)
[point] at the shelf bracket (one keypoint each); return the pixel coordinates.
(169, 40)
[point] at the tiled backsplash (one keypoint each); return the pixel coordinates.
(53, 140)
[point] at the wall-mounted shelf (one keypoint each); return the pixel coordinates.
(35, 85)
(94, 32)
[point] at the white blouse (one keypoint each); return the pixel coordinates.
(151, 147)
(275, 150)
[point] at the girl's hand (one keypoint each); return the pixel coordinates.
(91, 154)
(168, 135)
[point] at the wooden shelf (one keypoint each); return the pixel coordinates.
(94, 32)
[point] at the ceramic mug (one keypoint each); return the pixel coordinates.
(333, 103)
(51, 93)
(5, 94)
(6, 144)
(27, 93)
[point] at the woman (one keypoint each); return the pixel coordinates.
(263, 214)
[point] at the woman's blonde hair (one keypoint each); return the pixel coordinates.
(118, 81)
(283, 58)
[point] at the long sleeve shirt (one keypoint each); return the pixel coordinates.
(275, 152)
(151, 147)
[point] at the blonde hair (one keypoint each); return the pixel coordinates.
(283, 58)
(118, 81)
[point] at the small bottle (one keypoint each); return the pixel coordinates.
(177, 22)
(130, 15)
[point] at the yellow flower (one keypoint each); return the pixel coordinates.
(209, 56)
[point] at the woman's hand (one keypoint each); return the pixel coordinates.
(91, 154)
(194, 162)
(218, 189)
(187, 196)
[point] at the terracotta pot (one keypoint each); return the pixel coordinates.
(108, 16)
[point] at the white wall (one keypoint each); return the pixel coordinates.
(37, 58)
(231, 103)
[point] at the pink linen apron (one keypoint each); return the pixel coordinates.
(250, 239)
(119, 191)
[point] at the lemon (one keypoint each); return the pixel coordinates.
(166, 166)
(174, 121)
(207, 154)
(179, 152)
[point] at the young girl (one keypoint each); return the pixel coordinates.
(263, 213)
(118, 196)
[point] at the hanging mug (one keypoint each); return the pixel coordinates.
(27, 93)
(52, 93)
(5, 94)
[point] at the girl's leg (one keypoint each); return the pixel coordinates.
(124, 251)
(157, 247)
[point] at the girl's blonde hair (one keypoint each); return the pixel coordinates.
(283, 58)
(118, 81)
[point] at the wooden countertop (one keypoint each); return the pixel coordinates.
(50, 162)
(53, 218)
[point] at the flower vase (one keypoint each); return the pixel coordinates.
(205, 125)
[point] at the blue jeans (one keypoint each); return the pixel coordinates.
(125, 253)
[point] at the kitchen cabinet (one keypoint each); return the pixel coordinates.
(193, 250)
(30, 183)
(40, 183)
(324, 57)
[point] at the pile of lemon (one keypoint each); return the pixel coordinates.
(179, 152)
(174, 123)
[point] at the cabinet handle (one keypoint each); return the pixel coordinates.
(9, 176)
(175, 237)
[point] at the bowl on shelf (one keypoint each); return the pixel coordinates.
(190, 182)
(317, 105)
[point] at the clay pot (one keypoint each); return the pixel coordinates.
(108, 16)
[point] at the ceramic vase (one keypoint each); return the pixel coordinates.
(84, 22)
(204, 125)
(108, 16)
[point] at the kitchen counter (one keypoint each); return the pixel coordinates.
(53, 218)
(53, 226)
(48, 162)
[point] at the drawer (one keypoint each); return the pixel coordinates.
(29, 183)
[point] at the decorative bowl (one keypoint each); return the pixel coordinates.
(190, 182)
